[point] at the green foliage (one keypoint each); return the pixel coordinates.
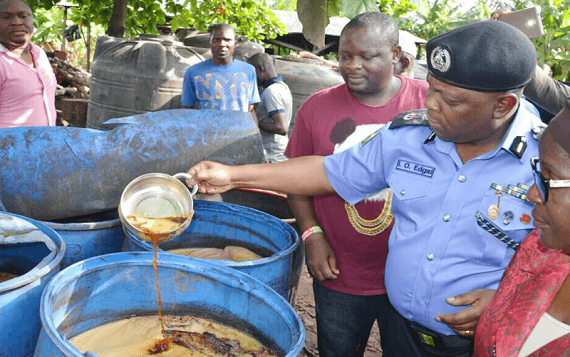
(554, 47)
(286, 5)
(45, 4)
(49, 33)
(431, 18)
(351, 8)
(314, 16)
(389, 8)
(143, 17)
(49, 25)
(252, 18)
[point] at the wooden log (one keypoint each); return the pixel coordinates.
(74, 111)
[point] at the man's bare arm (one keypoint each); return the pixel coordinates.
(321, 261)
(300, 176)
(277, 126)
(253, 114)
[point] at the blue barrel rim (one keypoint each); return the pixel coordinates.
(72, 272)
(83, 226)
(266, 216)
(263, 217)
(28, 278)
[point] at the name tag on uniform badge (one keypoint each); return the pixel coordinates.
(415, 168)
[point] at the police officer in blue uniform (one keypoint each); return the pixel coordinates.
(459, 169)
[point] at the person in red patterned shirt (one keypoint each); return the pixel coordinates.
(530, 312)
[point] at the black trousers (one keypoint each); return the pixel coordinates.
(406, 338)
(344, 321)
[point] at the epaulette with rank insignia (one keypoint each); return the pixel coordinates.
(413, 117)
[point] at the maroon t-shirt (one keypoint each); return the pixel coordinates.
(324, 122)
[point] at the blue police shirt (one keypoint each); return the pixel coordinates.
(437, 249)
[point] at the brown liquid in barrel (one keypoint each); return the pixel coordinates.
(5, 276)
(185, 335)
(155, 238)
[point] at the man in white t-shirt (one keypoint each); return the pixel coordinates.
(274, 110)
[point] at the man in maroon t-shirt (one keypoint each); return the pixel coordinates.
(347, 259)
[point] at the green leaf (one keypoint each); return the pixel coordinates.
(352, 8)
(313, 15)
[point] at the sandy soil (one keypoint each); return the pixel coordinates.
(305, 306)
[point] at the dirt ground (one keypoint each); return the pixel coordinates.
(305, 306)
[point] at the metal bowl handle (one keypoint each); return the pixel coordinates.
(184, 176)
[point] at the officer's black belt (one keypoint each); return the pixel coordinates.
(427, 337)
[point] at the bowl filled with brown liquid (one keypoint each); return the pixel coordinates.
(157, 206)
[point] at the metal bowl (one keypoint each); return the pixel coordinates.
(157, 195)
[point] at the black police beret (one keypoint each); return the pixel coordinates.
(485, 56)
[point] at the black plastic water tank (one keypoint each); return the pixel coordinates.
(135, 76)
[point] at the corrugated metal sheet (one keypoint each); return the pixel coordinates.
(66, 4)
(293, 25)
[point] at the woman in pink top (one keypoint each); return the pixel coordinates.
(27, 81)
(530, 312)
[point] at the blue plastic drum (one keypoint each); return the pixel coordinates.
(89, 236)
(33, 251)
(115, 286)
(218, 224)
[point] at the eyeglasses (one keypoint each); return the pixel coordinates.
(543, 184)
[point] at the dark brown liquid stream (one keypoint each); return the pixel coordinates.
(155, 238)
(182, 338)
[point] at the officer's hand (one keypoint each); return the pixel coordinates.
(321, 261)
(211, 177)
(464, 322)
(499, 13)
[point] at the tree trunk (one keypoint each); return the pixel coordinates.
(117, 23)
